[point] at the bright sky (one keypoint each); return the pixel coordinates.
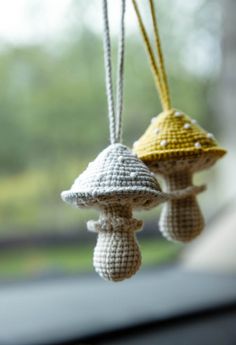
(26, 21)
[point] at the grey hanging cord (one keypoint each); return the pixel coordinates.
(120, 74)
(115, 123)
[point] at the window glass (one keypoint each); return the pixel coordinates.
(53, 121)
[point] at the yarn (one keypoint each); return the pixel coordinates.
(116, 176)
(114, 117)
(177, 160)
(158, 72)
(180, 135)
(116, 182)
(181, 219)
(117, 243)
(175, 146)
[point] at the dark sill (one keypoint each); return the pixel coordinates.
(82, 309)
(142, 330)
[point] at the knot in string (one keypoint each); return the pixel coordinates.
(114, 111)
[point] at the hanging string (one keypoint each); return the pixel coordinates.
(108, 73)
(115, 117)
(120, 74)
(158, 69)
(166, 93)
(154, 67)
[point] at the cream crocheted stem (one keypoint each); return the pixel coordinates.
(115, 183)
(181, 220)
(185, 192)
(116, 255)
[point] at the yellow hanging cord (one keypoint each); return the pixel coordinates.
(154, 67)
(166, 95)
(159, 72)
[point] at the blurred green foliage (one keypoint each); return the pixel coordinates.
(33, 262)
(53, 116)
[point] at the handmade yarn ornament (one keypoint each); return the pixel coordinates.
(174, 146)
(116, 182)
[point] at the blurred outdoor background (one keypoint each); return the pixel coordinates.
(53, 118)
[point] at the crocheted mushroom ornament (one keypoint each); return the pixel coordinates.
(175, 146)
(116, 182)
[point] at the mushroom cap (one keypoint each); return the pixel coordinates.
(115, 176)
(174, 141)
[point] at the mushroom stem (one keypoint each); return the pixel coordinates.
(116, 255)
(181, 220)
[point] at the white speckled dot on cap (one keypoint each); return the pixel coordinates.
(116, 180)
(121, 159)
(164, 143)
(210, 136)
(178, 113)
(187, 126)
(198, 145)
(133, 174)
(153, 119)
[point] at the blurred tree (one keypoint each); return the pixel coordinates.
(226, 101)
(53, 106)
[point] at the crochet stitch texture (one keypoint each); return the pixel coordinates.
(116, 182)
(116, 175)
(175, 146)
(172, 134)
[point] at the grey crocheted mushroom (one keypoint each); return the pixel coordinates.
(116, 182)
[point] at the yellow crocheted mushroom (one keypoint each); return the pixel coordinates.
(172, 134)
(175, 146)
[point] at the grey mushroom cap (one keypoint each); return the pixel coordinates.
(115, 176)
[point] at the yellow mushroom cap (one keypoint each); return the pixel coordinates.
(172, 136)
